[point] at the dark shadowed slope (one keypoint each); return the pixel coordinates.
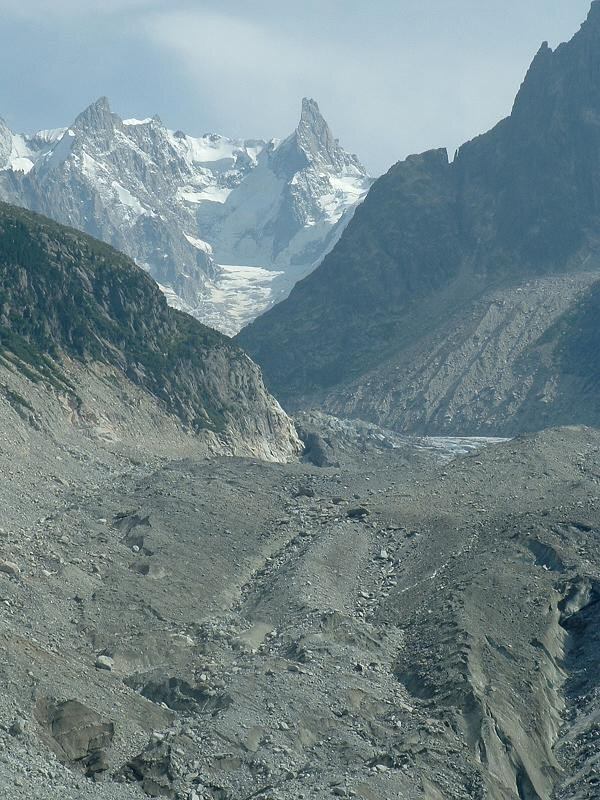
(509, 228)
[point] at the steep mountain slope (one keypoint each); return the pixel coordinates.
(70, 303)
(516, 359)
(183, 206)
(462, 252)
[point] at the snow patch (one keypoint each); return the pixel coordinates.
(20, 164)
(58, 154)
(21, 157)
(128, 200)
(452, 446)
(49, 136)
(347, 191)
(211, 194)
(199, 244)
(206, 149)
(92, 169)
(174, 300)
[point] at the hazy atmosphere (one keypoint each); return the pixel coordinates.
(392, 76)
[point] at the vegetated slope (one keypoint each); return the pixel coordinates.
(225, 226)
(64, 295)
(438, 245)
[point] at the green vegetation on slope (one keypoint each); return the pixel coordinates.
(62, 292)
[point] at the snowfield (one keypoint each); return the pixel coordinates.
(238, 296)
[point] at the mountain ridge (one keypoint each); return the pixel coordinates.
(223, 243)
(431, 241)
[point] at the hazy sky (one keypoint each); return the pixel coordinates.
(392, 77)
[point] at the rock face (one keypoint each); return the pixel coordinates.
(67, 299)
(437, 306)
(77, 734)
(192, 210)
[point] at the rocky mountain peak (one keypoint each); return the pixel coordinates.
(96, 120)
(535, 79)
(313, 131)
(314, 138)
(312, 144)
(586, 39)
(560, 90)
(593, 17)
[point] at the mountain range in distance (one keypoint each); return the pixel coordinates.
(225, 226)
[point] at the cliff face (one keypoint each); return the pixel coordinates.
(434, 248)
(66, 298)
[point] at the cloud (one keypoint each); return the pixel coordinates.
(391, 76)
(235, 60)
(42, 12)
(383, 100)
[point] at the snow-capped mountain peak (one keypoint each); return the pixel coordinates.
(191, 209)
(19, 153)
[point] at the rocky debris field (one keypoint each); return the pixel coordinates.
(496, 366)
(404, 621)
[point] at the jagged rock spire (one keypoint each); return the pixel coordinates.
(562, 80)
(97, 119)
(5, 143)
(593, 18)
(314, 135)
(313, 143)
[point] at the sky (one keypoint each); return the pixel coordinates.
(392, 77)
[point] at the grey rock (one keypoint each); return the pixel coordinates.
(10, 568)
(104, 662)
(360, 512)
(78, 734)
(18, 727)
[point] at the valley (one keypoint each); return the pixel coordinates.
(300, 471)
(283, 631)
